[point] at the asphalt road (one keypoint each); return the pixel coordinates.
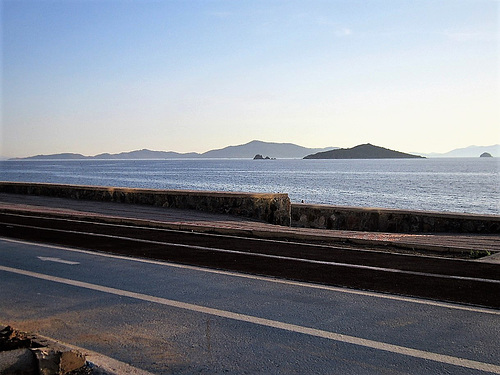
(453, 280)
(176, 319)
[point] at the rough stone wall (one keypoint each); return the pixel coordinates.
(272, 208)
(388, 220)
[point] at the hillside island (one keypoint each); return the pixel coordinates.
(273, 149)
(365, 151)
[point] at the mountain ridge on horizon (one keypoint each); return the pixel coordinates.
(466, 152)
(246, 151)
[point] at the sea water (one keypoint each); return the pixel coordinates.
(470, 185)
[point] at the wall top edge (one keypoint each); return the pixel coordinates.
(143, 190)
(443, 214)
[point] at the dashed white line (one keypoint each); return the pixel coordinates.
(57, 260)
(397, 349)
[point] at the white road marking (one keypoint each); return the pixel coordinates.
(57, 260)
(270, 279)
(378, 345)
(280, 257)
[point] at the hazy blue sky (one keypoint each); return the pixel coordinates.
(186, 75)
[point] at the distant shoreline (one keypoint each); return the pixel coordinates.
(91, 159)
(247, 151)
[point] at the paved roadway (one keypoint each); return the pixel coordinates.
(168, 318)
(452, 280)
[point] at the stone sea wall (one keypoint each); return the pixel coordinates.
(272, 208)
(390, 220)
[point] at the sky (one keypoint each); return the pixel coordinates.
(90, 76)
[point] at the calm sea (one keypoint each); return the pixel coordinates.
(451, 184)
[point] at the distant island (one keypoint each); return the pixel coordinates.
(250, 149)
(365, 151)
(466, 152)
(245, 151)
(485, 155)
(260, 157)
(138, 154)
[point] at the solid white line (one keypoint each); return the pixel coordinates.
(397, 349)
(269, 279)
